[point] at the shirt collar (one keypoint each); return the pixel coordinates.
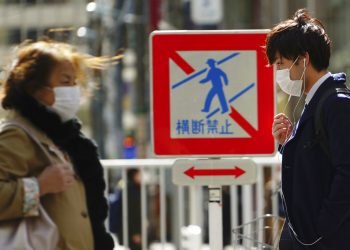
(315, 87)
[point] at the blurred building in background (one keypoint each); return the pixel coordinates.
(30, 19)
(120, 107)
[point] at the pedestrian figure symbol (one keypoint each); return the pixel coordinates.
(215, 75)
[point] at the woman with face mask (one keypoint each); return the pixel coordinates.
(41, 93)
(315, 183)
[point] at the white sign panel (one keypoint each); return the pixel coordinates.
(207, 97)
(215, 172)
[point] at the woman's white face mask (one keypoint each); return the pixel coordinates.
(291, 87)
(67, 102)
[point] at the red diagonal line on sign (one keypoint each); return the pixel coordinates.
(185, 66)
(242, 122)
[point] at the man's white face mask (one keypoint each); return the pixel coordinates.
(291, 87)
(67, 102)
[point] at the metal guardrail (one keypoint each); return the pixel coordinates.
(189, 201)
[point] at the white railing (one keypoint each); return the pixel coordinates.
(190, 202)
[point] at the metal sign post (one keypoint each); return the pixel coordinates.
(214, 173)
(215, 217)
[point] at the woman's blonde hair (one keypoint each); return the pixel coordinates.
(34, 62)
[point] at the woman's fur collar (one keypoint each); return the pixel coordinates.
(48, 121)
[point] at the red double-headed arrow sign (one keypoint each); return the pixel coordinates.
(235, 171)
(214, 172)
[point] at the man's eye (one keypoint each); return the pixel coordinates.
(279, 64)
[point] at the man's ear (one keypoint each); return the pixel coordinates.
(306, 59)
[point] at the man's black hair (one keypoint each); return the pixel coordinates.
(294, 37)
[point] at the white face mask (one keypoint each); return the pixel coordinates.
(67, 102)
(291, 87)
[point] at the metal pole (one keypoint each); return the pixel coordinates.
(247, 214)
(162, 208)
(125, 209)
(143, 210)
(234, 213)
(193, 205)
(260, 201)
(118, 40)
(180, 209)
(196, 213)
(215, 217)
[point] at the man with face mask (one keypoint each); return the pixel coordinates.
(315, 184)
